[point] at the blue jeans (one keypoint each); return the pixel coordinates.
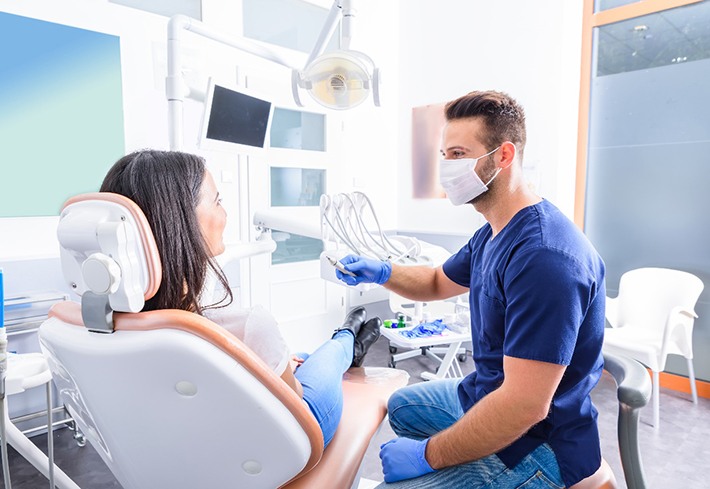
(321, 375)
(422, 410)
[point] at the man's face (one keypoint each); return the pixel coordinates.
(461, 139)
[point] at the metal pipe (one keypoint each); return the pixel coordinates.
(50, 436)
(346, 26)
(38, 414)
(175, 88)
(326, 32)
(3, 399)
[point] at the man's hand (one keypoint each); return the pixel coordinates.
(366, 270)
(404, 458)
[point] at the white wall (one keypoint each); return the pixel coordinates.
(428, 52)
(144, 106)
(144, 67)
(370, 140)
(530, 50)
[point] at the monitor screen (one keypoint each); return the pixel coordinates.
(235, 118)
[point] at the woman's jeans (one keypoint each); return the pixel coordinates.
(321, 375)
(421, 410)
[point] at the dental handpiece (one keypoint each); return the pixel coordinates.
(339, 266)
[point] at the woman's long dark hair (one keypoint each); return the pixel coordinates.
(166, 186)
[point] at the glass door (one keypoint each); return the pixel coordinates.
(646, 195)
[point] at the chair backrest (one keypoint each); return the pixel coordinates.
(168, 399)
(647, 295)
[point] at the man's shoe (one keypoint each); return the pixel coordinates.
(369, 333)
(353, 321)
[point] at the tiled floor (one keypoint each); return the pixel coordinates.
(678, 456)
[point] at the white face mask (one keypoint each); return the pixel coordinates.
(460, 180)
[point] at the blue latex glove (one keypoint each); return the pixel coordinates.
(403, 458)
(366, 270)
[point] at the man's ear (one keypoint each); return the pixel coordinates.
(507, 154)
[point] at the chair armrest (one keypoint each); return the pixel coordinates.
(612, 311)
(633, 392)
(679, 331)
(632, 380)
(685, 312)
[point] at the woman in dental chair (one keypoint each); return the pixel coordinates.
(180, 200)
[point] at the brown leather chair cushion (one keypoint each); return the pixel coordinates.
(366, 391)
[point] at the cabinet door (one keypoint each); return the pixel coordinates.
(288, 180)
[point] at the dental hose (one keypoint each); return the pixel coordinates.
(3, 374)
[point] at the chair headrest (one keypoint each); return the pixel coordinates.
(107, 249)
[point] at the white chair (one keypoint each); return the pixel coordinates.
(652, 317)
(168, 398)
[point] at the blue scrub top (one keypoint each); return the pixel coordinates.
(537, 292)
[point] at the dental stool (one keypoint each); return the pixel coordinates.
(633, 391)
(171, 400)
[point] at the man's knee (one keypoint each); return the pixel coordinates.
(398, 399)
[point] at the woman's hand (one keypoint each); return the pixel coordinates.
(296, 362)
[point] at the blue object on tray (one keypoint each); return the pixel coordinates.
(423, 330)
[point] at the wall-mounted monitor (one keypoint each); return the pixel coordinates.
(234, 119)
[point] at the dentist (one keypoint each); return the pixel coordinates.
(536, 291)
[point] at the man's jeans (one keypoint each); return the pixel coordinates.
(422, 410)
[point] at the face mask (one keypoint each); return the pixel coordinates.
(460, 180)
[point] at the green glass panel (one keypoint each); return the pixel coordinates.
(292, 248)
(296, 186)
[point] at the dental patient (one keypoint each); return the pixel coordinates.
(180, 200)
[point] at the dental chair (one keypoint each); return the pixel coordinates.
(171, 400)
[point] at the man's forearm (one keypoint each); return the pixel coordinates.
(418, 283)
(491, 425)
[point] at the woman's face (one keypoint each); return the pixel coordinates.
(211, 215)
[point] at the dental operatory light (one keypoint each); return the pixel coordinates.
(338, 80)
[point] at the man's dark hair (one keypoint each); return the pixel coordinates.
(503, 118)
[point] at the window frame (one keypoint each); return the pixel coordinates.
(590, 20)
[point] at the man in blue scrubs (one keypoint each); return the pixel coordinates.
(536, 291)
